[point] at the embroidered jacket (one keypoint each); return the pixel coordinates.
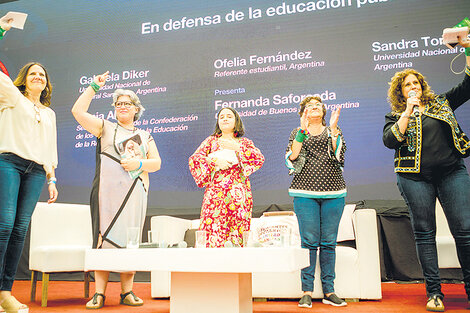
(408, 146)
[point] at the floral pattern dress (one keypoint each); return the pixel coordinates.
(228, 202)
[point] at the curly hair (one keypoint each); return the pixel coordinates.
(395, 94)
(20, 83)
(306, 100)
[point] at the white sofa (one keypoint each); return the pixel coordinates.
(446, 250)
(357, 269)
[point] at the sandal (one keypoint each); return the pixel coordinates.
(11, 305)
(94, 304)
(435, 304)
(126, 301)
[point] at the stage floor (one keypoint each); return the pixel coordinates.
(65, 296)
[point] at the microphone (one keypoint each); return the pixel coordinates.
(412, 94)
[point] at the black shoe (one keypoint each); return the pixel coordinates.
(334, 300)
(305, 302)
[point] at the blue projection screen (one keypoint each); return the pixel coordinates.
(188, 59)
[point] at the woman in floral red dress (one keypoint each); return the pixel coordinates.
(222, 164)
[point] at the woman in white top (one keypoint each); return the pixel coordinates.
(125, 156)
(28, 154)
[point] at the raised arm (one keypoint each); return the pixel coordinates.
(80, 109)
(466, 44)
(334, 127)
(297, 145)
(460, 94)
(9, 93)
(5, 25)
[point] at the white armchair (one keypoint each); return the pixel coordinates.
(60, 234)
(357, 269)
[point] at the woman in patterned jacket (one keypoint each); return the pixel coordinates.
(429, 150)
(222, 164)
(315, 155)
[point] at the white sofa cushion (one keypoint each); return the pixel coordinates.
(346, 229)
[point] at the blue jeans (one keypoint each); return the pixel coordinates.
(318, 225)
(453, 192)
(21, 182)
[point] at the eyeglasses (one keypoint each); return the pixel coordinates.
(123, 104)
(38, 115)
(314, 105)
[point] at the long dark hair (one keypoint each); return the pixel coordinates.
(238, 130)
(20, 82)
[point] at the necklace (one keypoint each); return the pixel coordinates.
(36, 109)
(38, 113)
(115, 133)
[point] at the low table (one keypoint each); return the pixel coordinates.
(203, 280)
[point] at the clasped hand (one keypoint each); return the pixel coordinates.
(130, 164)
(411, 102)
(222, 164)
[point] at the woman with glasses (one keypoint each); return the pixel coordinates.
(315, 155)
(125, 156)
(28, 155)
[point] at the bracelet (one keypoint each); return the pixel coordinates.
(2, 32)
(301, 135)
(52, 180)
(467, 52)
(405, 115)
(139, 166)
(95, 86)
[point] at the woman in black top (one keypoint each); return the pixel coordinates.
(429, 146)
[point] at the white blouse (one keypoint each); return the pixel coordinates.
(21, 133)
